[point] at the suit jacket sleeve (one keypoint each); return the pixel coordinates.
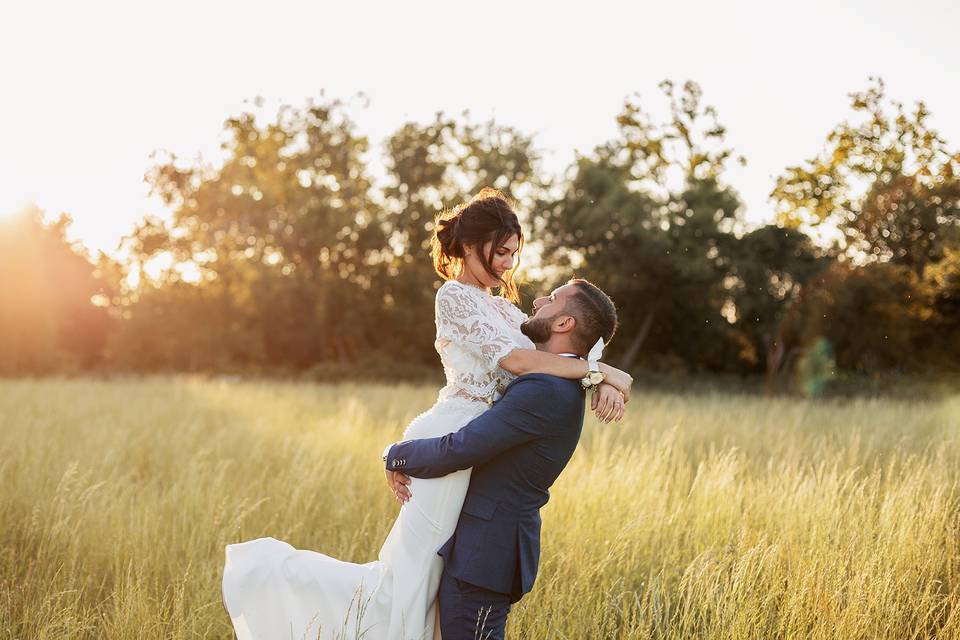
(518, 417)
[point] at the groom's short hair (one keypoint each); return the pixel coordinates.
(595, 313)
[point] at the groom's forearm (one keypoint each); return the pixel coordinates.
(515, 419)
(422, 458)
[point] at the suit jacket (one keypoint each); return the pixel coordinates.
(517, 450)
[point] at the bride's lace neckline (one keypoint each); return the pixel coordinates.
(472, 286)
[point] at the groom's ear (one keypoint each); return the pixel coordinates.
(564, 324)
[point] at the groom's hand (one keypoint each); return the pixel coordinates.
(398, 485)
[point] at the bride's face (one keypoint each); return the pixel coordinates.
(504, 259)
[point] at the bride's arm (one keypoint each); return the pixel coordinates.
(523, 361)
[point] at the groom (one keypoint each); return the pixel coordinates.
(517, 449)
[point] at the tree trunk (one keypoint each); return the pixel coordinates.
(775, 352)
(631, 355)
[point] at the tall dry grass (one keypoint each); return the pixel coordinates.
(707, 517)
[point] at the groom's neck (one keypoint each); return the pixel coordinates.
(557, 344)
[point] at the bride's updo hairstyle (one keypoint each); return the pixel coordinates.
(487, 217)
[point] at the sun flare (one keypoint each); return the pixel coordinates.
(11, 206)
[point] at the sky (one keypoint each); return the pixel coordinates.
(89, 90)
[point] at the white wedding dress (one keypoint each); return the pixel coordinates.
(275, 592)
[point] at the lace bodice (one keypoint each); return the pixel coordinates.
(475, 331)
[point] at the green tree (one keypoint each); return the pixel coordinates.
(770, 267)
(942, 341)
(648, 218)
(888, 182)
(875, 316)
(179, 326)
(286, 228)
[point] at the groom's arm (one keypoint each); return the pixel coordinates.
(518, 417)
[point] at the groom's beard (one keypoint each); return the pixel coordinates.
(537, 329)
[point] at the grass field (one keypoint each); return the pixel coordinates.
(713, 516)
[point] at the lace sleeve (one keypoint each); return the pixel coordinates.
(472, 340)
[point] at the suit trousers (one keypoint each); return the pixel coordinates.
(469, 612)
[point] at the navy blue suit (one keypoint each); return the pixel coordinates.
(517, 450)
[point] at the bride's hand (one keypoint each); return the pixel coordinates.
(617, 378)
(607, 403)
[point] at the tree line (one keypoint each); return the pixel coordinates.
(290, 255)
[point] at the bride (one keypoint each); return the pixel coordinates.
(273, 591)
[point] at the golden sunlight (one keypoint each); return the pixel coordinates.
(11, 205)
(161, 264)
